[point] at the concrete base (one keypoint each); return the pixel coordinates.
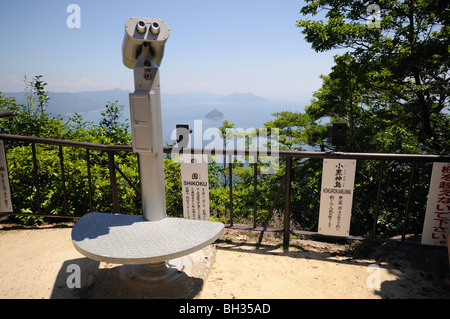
(165, 273)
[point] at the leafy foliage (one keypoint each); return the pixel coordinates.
(392, 79)
(389, 84)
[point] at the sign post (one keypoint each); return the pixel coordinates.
(195, 187)
(338, 177)
(5, 191)
(436, 228)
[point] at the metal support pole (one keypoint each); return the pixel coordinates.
(146, 126)
(152, 186)
(405, 220)
(36, 178)
(255, 189)
(377, 205)
(63, 179)
(88, 164)
(230, 181)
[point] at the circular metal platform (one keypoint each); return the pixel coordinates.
(132, 240)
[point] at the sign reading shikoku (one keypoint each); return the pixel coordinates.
(436, 228)
(338, 177)
(5, 192)
(195, 187)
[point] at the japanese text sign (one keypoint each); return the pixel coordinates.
(195, 187)
(338, 177)
(437, 216)
(5, 192)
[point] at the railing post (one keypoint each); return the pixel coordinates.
(408, 200)
(377, 205)
(88, 163)
(112, 177)
(63, 179)
(255, 189)
(36, 177)
(230, 181)
(287, 202)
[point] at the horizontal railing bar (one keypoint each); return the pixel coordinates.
(311, 154)
(40, 215)
(293, 232)
(258, 228)
(352, 237)
(52, 141)
(316, 234)
(244, 152)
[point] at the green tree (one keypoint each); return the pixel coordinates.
(38, 86)
(31, 119)
(393, 79)
(390, 84)
(297, 130)
(113, 124)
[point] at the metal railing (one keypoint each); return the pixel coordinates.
(286, 181)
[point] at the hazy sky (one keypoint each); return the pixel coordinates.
(214, 46)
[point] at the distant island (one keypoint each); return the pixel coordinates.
(214, 115)
(242, 98)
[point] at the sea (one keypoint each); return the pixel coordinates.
(245, 116)
(246, 111)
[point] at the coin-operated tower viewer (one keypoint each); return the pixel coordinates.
(151, 246)
(143, 50)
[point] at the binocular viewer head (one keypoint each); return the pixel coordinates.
(140, 32)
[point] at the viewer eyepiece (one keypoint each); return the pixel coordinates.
(141, 27)
(154, 28)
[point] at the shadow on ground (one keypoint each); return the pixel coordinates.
(105, 281)
(418, 269)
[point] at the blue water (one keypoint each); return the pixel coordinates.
(244, 115)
